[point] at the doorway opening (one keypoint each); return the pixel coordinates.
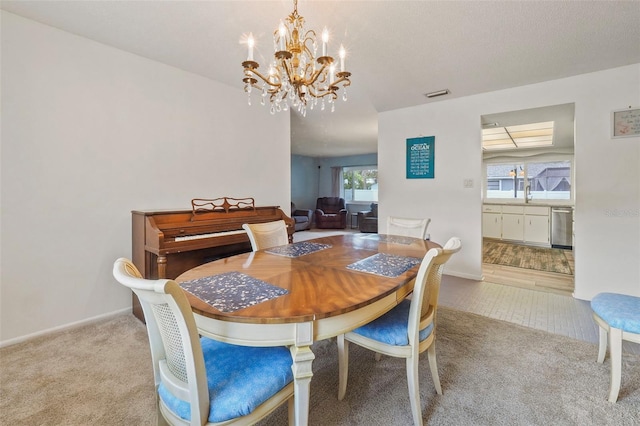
(524, 184)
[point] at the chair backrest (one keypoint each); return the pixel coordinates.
(265, 235)
(407, 227)
(426, 289)
(178, 362)
(373, 210)
(330, 205)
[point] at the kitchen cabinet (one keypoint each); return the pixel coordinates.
(513, 223)
(512, 227)
(527, 224)
(536, 225)
(492, 225)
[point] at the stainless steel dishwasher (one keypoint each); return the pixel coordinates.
(562, 227)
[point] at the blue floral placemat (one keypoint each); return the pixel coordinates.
(298, 249)
(387, 265)
(231, 291)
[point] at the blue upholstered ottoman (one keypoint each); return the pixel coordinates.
(618, 317)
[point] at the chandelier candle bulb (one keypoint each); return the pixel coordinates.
(325, 41)
(283, 32)
(342, 54)
(250, 43)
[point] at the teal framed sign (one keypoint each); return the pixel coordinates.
(420, 155)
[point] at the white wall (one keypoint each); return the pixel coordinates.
(607, 209)
(88, 134)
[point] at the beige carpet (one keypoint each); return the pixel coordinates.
(492, 373)
(97, 374)
(528, 257)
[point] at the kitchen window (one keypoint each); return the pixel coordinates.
(536, 180)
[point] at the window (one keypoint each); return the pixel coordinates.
(505, 181)
(550, 180)
(360, 183)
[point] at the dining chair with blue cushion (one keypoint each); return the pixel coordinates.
(408, 227)
(406, 330)
(200, 381)
(618, 319)
(267, 235)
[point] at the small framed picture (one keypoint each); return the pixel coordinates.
(420, 157)
(625, 123)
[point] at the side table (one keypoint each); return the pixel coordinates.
(354, 216)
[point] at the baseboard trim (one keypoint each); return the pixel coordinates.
(76, 324)
(465, 275)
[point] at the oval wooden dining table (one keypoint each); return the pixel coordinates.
(297, 294)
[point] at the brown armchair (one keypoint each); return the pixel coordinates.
(331, 213)
(368, 220)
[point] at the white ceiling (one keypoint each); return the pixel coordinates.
(397, 50)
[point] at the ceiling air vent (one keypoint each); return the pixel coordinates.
(438, 93)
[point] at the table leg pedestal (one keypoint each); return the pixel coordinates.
(302, 372)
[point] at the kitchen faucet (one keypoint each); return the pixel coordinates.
(527, 194)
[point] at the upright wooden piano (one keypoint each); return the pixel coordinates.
(165, 243)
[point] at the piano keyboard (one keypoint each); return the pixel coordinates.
(214, 234)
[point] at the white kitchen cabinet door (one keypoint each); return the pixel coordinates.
(491, 225)
(513, 227)
(536, 229)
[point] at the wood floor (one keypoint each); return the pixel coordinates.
(531, 279)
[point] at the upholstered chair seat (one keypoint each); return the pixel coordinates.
(200, 381)
(405, 331)
(392, 327)
(618, 319)
(239, 379)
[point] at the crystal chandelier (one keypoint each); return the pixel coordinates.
(296, 78)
